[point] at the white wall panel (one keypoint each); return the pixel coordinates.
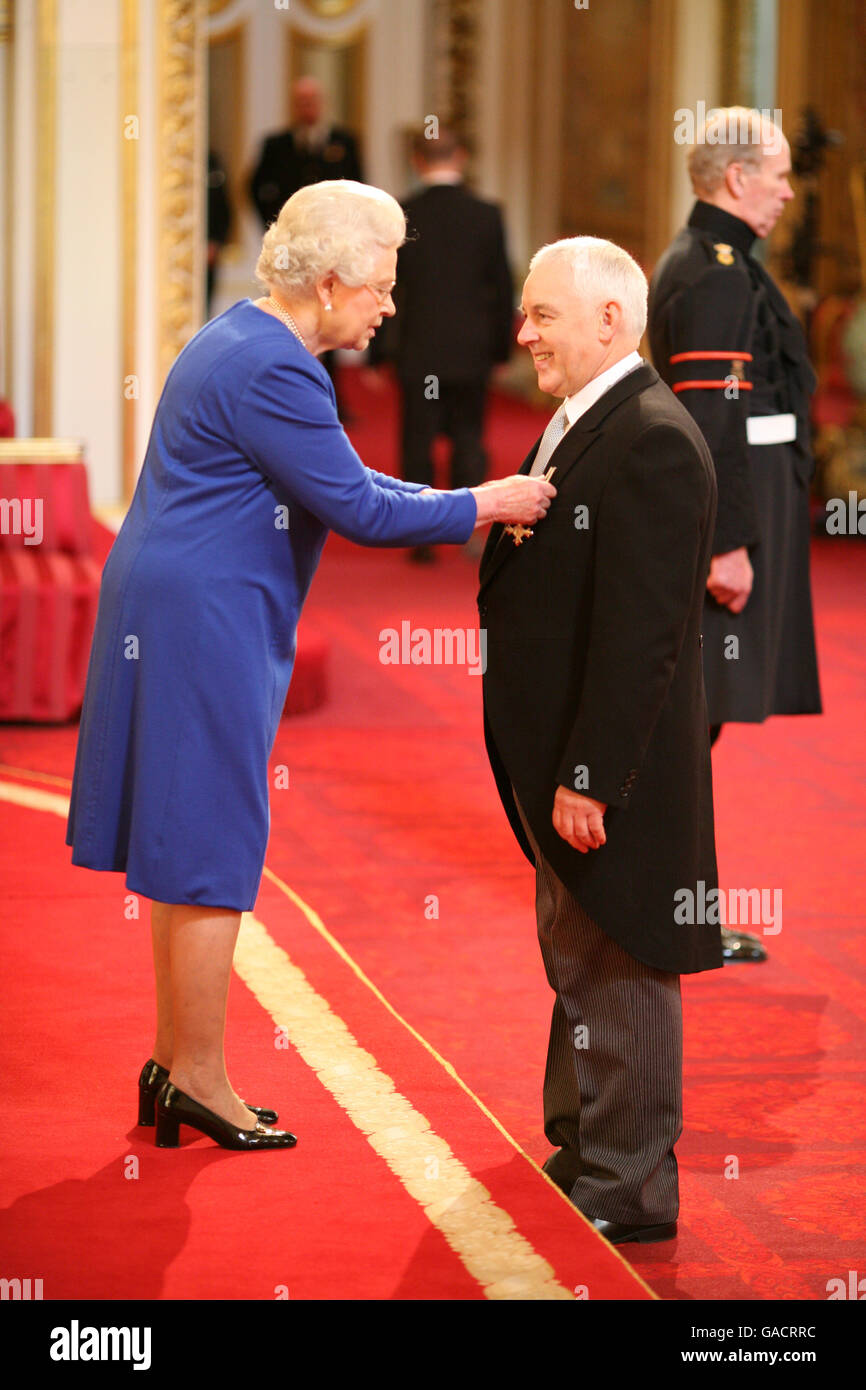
(87, 357)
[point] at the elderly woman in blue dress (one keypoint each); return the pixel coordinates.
(246, 471)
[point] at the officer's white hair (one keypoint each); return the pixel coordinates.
(730, 135)
(337, 225)
(602, 272)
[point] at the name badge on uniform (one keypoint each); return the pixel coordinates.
(771, 429)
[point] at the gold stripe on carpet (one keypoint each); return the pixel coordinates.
(318, 926)
(34, 799)
(481, 1234)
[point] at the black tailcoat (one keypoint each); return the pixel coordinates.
(594, 675)
(454, 296)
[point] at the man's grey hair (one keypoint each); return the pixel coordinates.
(730, 135)
(337, 225)
(602, 271)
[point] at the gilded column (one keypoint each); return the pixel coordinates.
(181, 177)
(129, 213)
(7, 20)
(456, 39)
(46, 137)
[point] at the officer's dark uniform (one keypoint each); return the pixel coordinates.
(219, 217)
(286, 164)
(724, 339)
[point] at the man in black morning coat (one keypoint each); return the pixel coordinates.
(455, 313)
(724, 339)
(596, 727)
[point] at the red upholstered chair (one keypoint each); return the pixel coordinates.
(49, 580)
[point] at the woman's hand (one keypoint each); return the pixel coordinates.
(517, 500)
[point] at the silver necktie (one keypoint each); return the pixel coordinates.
(556, 427)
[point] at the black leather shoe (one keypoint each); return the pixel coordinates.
(741, 945)
(174, 1108)
(619, 1234)
(150, 1083)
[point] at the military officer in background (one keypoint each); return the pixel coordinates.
(310, 151)
(724, 339)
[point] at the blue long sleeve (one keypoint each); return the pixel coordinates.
(287, 425)
(400, 484)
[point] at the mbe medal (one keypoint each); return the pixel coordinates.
(519, 533)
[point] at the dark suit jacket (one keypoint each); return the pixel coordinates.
(283, 168)
(594, 661)
(454, 296)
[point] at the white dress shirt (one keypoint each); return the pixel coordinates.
(580, 402)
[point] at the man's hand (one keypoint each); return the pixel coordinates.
(578, 819)
(730, 579)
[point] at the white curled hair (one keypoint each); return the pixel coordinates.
(338, 225)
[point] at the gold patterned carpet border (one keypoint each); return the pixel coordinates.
(481, 1234)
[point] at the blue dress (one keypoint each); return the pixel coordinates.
(247, 468)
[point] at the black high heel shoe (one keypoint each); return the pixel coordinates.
(150, 1083)
(174, 1108)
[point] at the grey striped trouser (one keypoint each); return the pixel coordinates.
(613, 1082)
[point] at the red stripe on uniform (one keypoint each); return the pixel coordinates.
(711, 357)
(709, 385)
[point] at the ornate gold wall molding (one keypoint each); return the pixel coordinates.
(661, 151)
(7, 38)
(736, 41)
(227, 133)
(346, 53)
(455, 72)
(129, 232)
(329, 9)
(46, 159)
(181, 174)
(834, 84)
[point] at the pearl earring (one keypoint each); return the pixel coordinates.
(328, 308)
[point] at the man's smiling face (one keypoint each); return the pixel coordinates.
(561, 330)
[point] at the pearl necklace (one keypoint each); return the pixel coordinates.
(287, 319)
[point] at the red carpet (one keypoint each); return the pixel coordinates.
(327, 1220)
(391, 831)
